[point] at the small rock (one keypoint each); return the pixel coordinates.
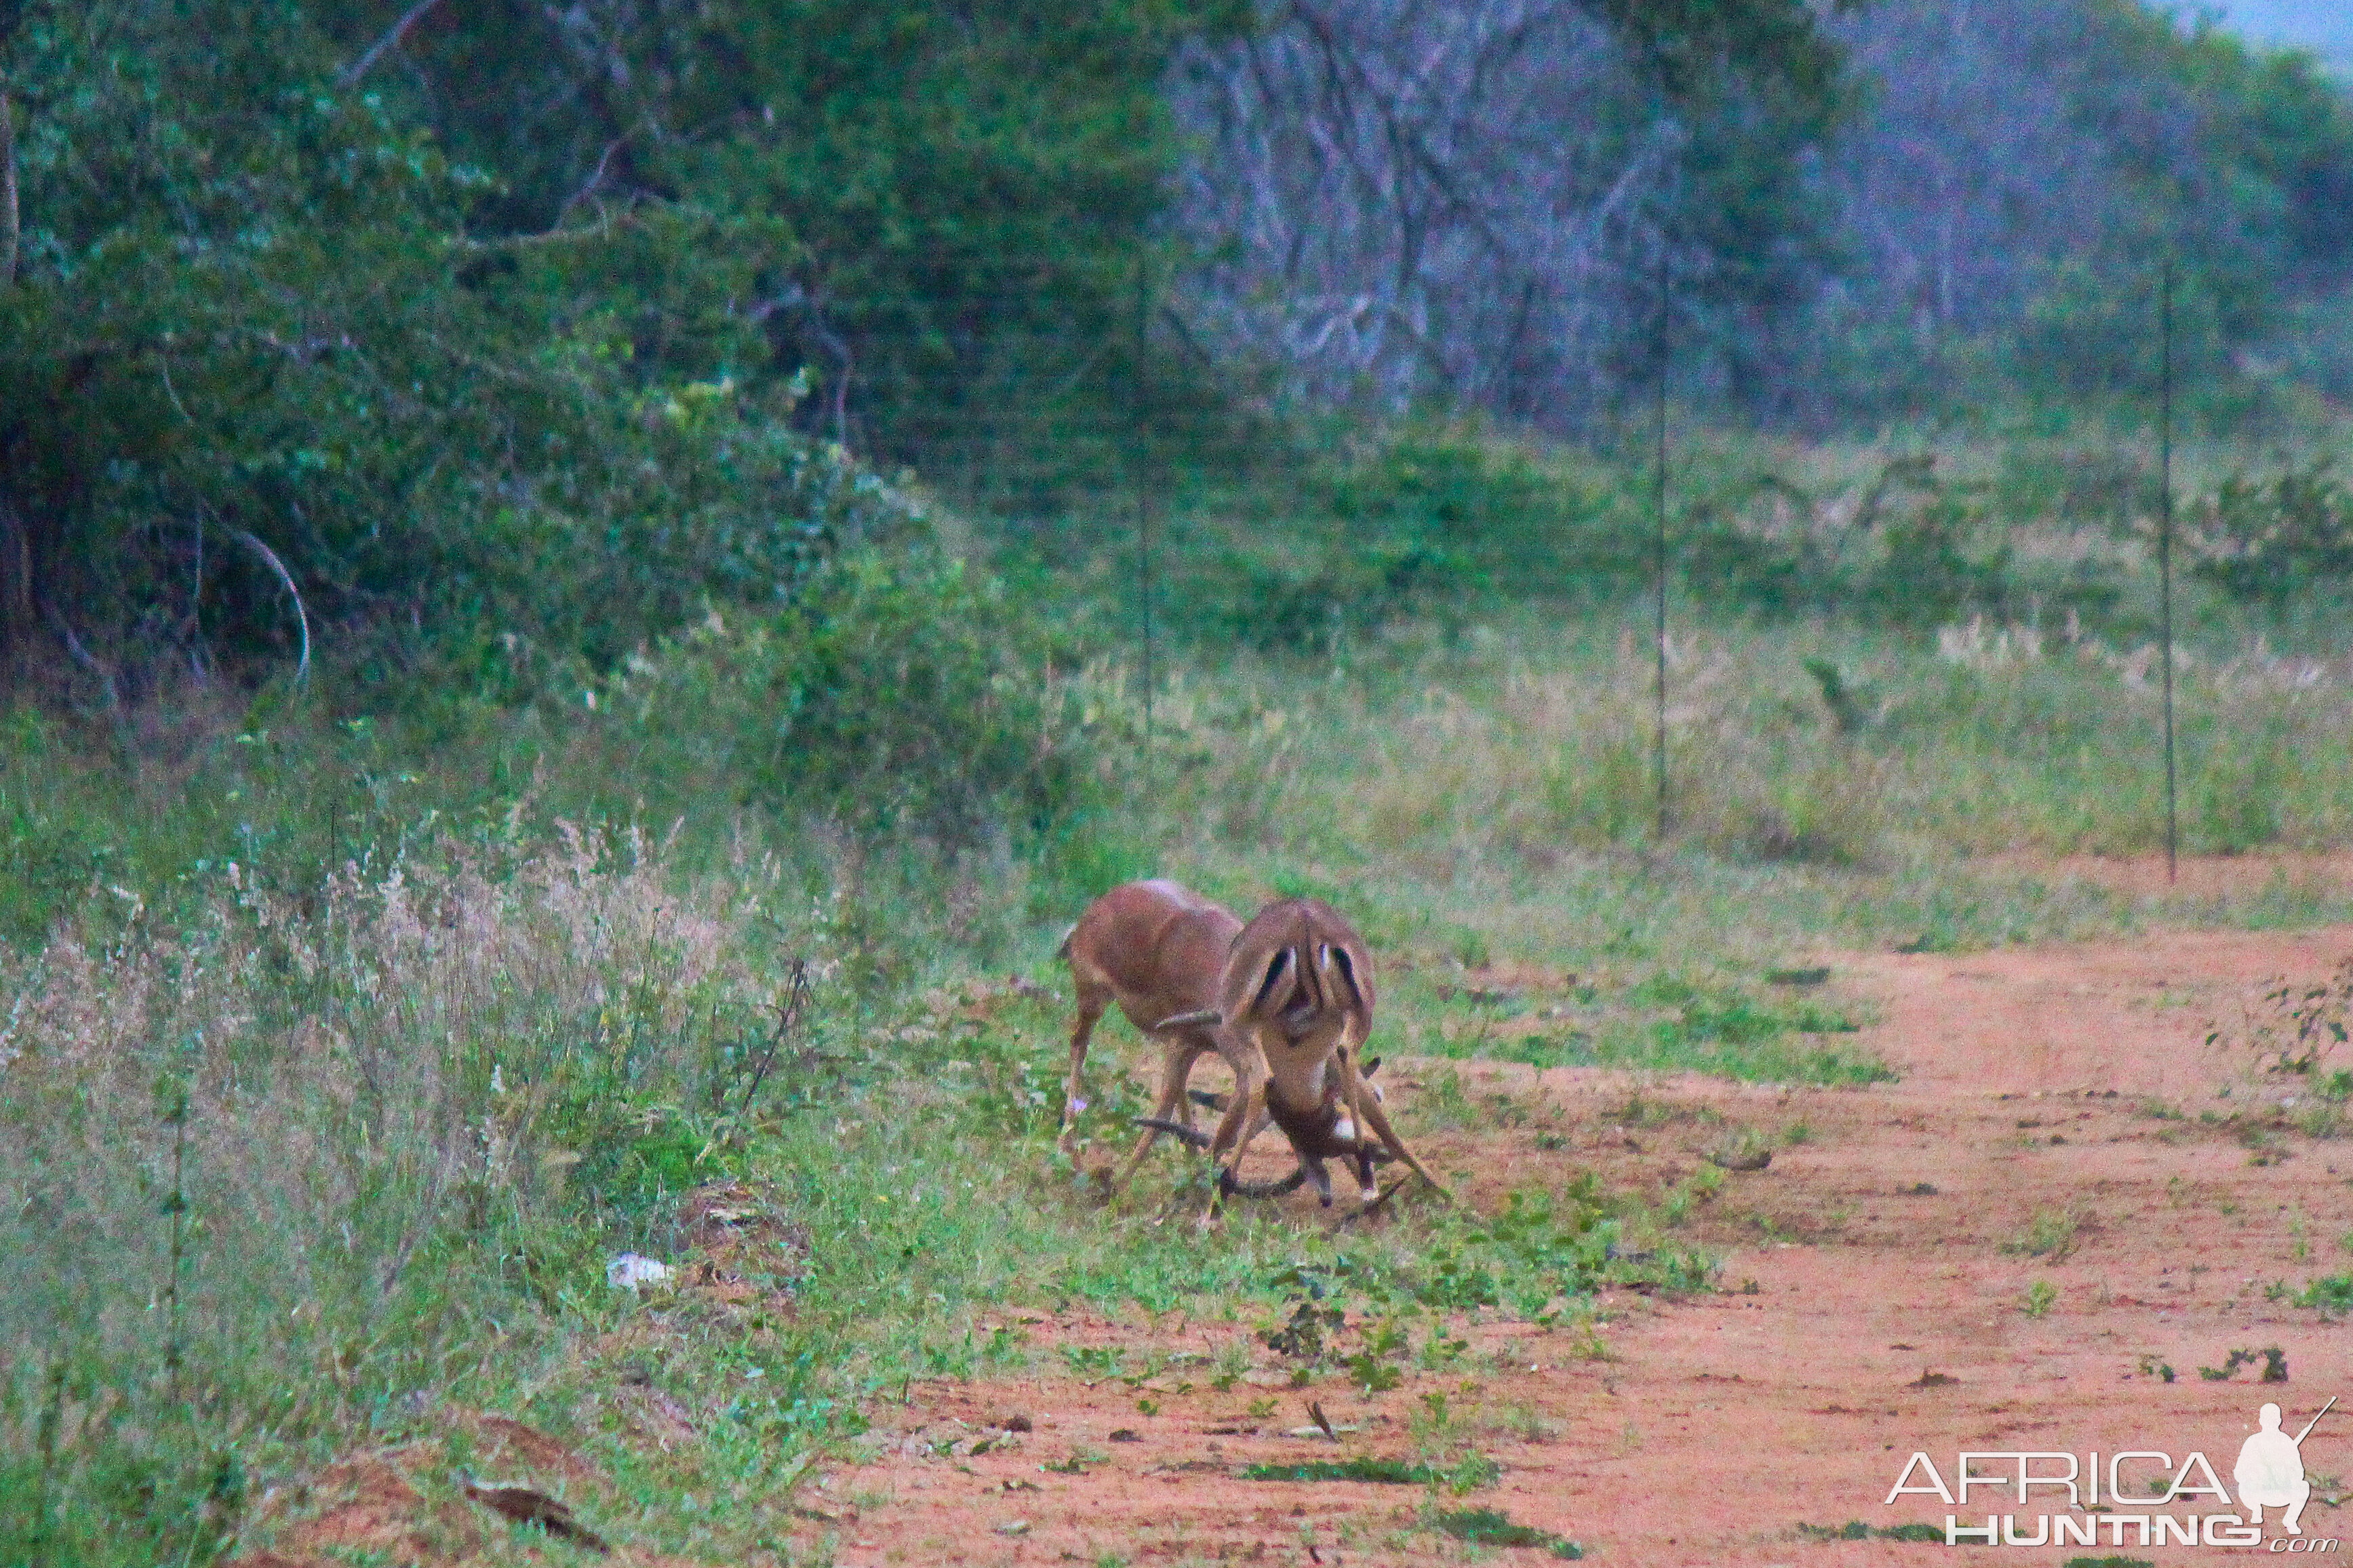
(1014, 1527)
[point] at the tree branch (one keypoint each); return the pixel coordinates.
(8, 230)
(366, 62)
(302, 616)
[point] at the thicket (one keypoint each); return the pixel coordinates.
(474, 350)
(1958, 207)
(506, 339)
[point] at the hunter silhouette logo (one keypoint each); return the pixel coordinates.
(2270, 1471)
(2122, 1495)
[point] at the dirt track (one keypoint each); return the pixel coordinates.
(1885, 1316)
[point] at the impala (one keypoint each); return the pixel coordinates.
(1296, 993)
(1158, 950)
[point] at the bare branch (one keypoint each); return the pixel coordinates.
(594, 180)
(9, 230)
(1396, 203)
(303, 618)
(366, 62)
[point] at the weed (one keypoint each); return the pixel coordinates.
(1743, 1148)
(1372, 1367)
(1228, 1365)
(1856, 1530)
(1491, 1526)
(2274, 1362)
(1304, 1334)
(1094, 1362)
(1470, 1473)
(2051, 1233)
(2331, 1293)
(2297, 1030)
(2150, 1366)
(2040, 1297)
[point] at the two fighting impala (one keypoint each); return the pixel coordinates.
(1286, 1000)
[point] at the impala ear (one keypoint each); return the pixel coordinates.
(1372, 1065)
(1209, 1016)
(1276, 967)
(1337, 958)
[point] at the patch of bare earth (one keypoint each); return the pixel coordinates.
(374, 1508)
(1876, 1300)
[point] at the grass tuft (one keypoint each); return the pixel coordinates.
(1491, 1526)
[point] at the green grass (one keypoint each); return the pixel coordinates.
(455, 1015)
(1378, 1471)
(1491, 1526)
(1856, 1530)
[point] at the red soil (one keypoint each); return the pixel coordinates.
(1883, 1319)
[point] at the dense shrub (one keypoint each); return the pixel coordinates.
(903, 692)
(2263, 539)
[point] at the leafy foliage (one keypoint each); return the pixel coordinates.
(906, 694)
(2264, 539)
(499, 354)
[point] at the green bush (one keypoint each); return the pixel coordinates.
(896, 693)
(2262, 540)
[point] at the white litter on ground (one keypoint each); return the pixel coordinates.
(628, 1272)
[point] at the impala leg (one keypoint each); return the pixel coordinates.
(1353, 1087)
(1176, 1067)
(1370, 1114)
(1245, 1114)
(1092, 1000)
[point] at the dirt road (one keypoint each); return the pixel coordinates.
(2004, 1251)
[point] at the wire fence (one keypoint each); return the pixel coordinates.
(1095, 450)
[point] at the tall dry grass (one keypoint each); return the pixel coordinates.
(1808, 744)
(354, 1104)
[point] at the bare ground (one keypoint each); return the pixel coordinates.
(1875, 1283)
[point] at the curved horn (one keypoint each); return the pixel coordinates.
(1192, 1137)
(1234, 1186)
